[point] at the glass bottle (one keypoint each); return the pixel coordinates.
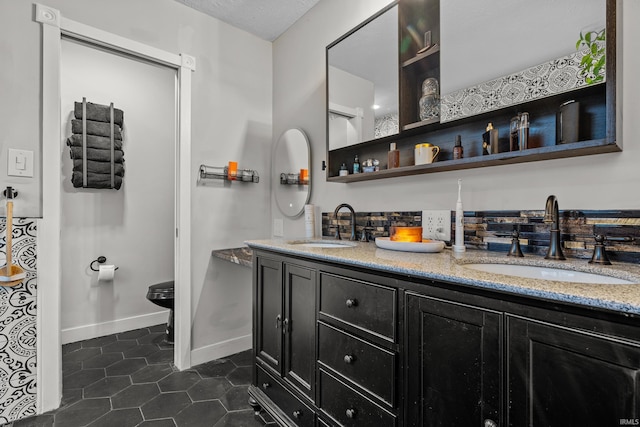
(457, 149)
(356, 165)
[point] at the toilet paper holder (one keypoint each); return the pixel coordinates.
(100, 260)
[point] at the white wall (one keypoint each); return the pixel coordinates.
(231, 120)
(605, 181)
(543, 31)
(133, 226)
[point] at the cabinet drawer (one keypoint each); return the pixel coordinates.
(369, 366)
(365, 305)
(297, 411)
(348, 407)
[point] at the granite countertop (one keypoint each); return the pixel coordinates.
(449, 266)
(241, 256)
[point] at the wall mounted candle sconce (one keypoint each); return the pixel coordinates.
(228, 173)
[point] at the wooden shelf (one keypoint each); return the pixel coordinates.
(582, 148)
(420, 124)
(419, 57)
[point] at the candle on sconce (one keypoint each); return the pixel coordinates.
(232, 173)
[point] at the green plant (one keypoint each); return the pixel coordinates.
(594, 60)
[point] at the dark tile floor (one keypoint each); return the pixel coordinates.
(128, 379)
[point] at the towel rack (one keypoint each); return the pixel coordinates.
(228, 173)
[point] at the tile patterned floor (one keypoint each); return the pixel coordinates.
(128, 379)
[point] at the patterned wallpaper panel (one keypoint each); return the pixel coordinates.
(491, 230)
(550, 78)
(18, 327)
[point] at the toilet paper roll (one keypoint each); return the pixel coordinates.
(106, 273)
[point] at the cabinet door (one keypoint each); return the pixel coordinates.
(269, 299)
(299, 327)
(565, 377)
(453, 363)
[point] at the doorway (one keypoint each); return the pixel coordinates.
(54, 28)
(133, 226)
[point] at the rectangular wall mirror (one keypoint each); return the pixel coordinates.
(362, 82)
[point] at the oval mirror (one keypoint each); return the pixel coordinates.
(292, 172)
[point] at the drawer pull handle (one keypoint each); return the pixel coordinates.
(349, 359)
(352, 303)
(351, 413)
(490, 423)
(297, 414)
(266, 385)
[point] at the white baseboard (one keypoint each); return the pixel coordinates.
(95, 330)
(221, 349)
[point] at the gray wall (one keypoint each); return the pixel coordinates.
(231, 120)
(603, 181)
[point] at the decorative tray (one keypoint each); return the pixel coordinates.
(424, 246)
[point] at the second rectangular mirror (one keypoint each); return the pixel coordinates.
(362, 82)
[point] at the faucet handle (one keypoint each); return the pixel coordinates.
(599, 252)
(515, 244)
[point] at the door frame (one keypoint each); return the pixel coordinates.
(48, 348)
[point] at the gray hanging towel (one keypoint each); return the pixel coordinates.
(98, 167)
(99, 142)
(96, 128)
(97, 155)
(99, 113)
(96, 180)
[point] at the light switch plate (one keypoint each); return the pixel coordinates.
(278, 227)
(436, 225)
(20, 163)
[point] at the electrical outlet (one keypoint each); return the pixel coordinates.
(278, 227)
(436, 225)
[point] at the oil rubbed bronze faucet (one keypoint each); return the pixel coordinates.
(353, 221)
(552, 215)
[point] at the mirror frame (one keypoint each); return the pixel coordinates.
(276, 173)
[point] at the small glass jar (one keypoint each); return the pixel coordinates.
(429, 104)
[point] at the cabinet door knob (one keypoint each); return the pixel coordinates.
(490, 423)
(285, 325)
(266, 385)
(278, 321)
(349, 359)
(352, 302)
(351, 413)
(297, 414)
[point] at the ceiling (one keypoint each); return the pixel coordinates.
(267, 19)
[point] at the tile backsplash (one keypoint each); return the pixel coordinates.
(491, 230)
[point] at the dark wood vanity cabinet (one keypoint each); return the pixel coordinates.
(454, 363)
(564, 376)
(284, 338)
(336, 346)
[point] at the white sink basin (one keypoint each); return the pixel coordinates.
(308, 244)
(548, 273)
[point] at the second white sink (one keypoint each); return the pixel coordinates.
(548, 273)
(321, 244)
